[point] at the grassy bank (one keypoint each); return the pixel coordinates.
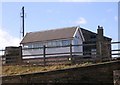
(17, 69)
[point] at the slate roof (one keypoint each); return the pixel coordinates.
(55, 34)
(88, 34)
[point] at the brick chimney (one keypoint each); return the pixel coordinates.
(100, 39)
(100, 33)
(103, 50)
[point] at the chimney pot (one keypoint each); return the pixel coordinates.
(101, 27)
(98, 27)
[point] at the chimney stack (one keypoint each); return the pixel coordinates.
(100, 33)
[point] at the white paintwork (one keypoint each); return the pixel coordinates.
(77, 38)
(83, 39)
(76, 32)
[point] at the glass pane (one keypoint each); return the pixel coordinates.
(65, 42)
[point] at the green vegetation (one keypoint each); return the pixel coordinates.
(17, 69)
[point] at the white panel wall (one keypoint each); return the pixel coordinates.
(48, 51)
(79, 41)
(32, 52)
(58, 50)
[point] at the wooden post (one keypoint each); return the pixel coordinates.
(20, 54)
(71, 57)
(44, 49)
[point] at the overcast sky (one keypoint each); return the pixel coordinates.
(52, 15)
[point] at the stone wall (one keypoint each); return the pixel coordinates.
(116, 77)
(100, 73)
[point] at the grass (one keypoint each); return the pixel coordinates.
(17, 69)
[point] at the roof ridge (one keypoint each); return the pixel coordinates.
(55, 29)
(88, 30)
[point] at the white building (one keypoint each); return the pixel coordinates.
(58, 37)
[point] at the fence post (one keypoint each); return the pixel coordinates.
(44, 49)
(71, 57)
(20, 54)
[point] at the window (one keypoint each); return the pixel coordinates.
(75, 42)
(93, 51)
(65, 42)
(35, 45)
(54, 43)
(40, 45)
(58, 43)
(25, 46)
(50, 43)
(29, 46)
